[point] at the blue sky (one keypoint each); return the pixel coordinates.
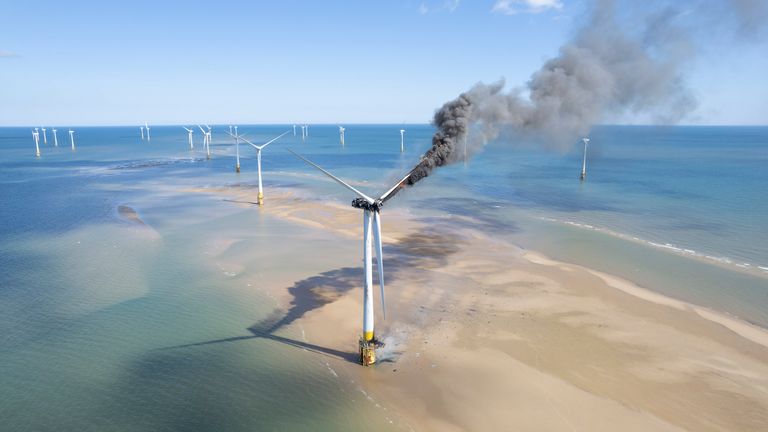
(121, 63)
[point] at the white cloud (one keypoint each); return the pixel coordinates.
(445, 5)
(513, 7)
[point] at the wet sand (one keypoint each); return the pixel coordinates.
(482, 335)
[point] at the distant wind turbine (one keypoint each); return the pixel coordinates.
(402, 140)
(72, 138)
(191, 144)
(36, 137)
(206, 141)
(584, 162)
(45, 137)
(341, 134)
(142, 132)
(258, 160)
(149, 138)
(55, 138)
(294, 130)
(237, 148)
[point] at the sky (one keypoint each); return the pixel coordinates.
(124, 63)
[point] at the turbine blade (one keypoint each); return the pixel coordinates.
(379, 258)
(201, 129)
(391, 192)
(338, 180)
(273, 140)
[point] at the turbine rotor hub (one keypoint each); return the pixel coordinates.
(363, 204)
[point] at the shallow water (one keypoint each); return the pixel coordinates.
(108, 324)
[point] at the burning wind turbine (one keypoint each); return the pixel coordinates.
(371, 238)
(258, 159)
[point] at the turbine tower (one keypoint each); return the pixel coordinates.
(371, 234)
(294, 130)
(55, 138)
(206, 141)
(45, 137)
(402, 140)
(72, 138)
(36, 137)
(142, 132)
(258, 160)
(191, 144)
(146, 126)
(584, 161)
(237, 149)
(341, 134)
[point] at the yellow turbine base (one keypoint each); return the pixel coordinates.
(237, 168)
(368, 336)
(261, 198)
(367, 353)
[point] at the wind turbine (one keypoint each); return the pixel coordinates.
(45, 137)
(55, 138)
(402, 140)
(206, 141)
(237, 152)
(341, 134)
(36, 137)
(146, 126)
(371, 228)
(191, 144)
(210, 136)
(230, 129)
(72, 138)
(294, 130)
(584, 162)
(306, 129)
(303, 133)
(142, 132)
(258, 159)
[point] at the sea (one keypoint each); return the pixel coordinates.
(109, 324)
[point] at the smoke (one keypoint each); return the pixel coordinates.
(607, 70)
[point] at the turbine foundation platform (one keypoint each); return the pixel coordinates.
(368, 351)
(260, 198)
(237, 168)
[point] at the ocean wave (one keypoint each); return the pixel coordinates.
(722, 260)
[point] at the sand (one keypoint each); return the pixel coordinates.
(484, 336)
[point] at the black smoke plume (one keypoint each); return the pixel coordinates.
(605, 72)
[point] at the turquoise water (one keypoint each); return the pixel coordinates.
(106, 325)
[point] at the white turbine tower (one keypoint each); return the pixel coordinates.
(294, 130)
(402, 140)
(36, 137)
(258, 160)
(230, 129)
(303, 133)
(45, 137)
(341, 134)
(146, 126)
(210, 135)
(55, 138)
(191, 143)
(237, 150)
(371, 233)
(584, 162)
(141, 128)
(72, 138)
(306, 130)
